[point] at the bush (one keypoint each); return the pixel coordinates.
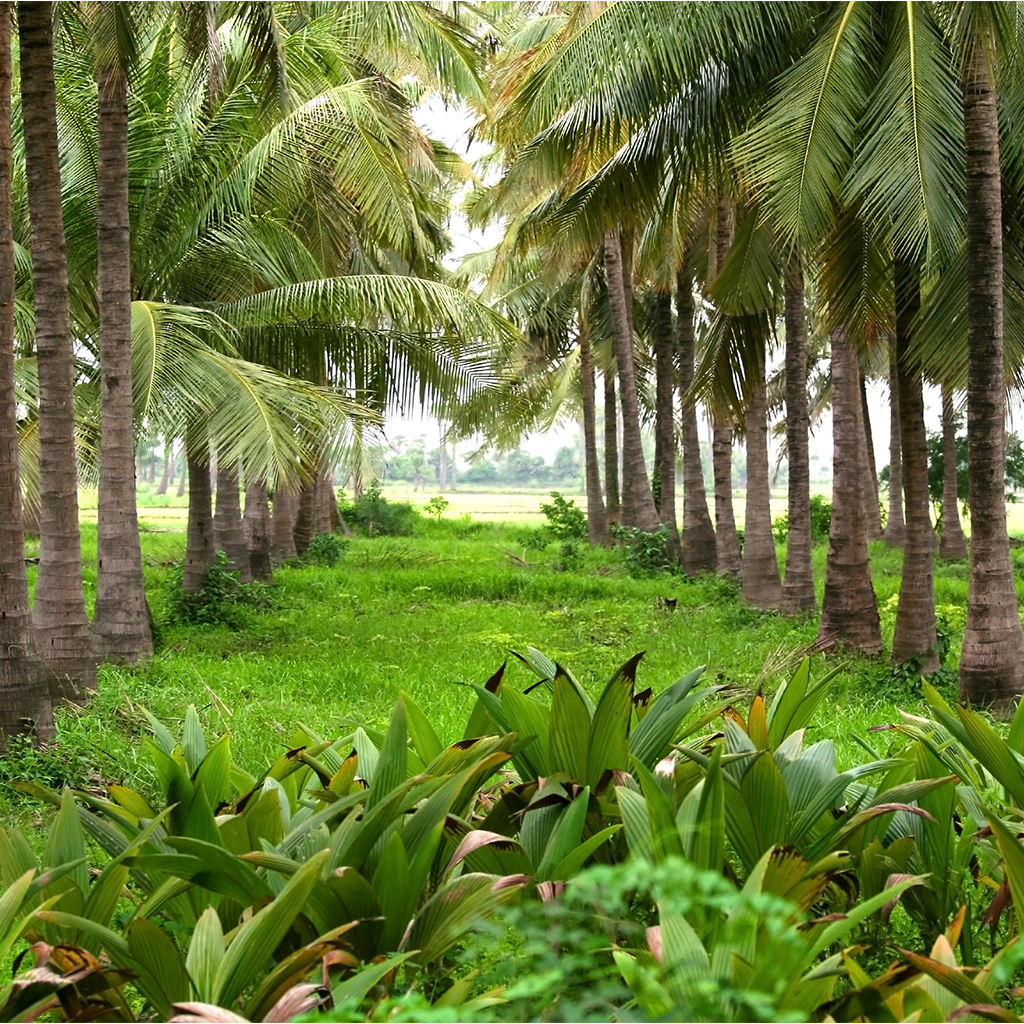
(221, 601)
(436, 507)
(326, 549)
(564, 520)
(821, 521)
(378, 517)
(646, 552)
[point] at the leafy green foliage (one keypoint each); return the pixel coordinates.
(221, 600)
(436, 507)
(565, 520)
(326, 549)
(646, 551)
(376, 516)
(821, 521)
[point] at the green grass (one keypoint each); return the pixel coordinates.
(433, 613)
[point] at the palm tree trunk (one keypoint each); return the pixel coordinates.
(304, 518)
(727, 544)
(798, 585)
(257, 528)
(597, 521)
(637, 500)
(228, 532)
(167, 474)
(895, 527)
(324, 522)
(761, 585)
(992, 662)
(120, 624)
(698, 534)
(199, 538)
(282, 525)
(665, 432)
(872, 511)
(611, 448)
(849, 613)
(915, 614)
(62, 627)
(183, 482)
(24, 679)
(952, 544)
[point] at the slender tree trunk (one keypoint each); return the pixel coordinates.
(62, 628)
(727, 544)
(199, 538)
(24, 678)
(282, 525)
(915, 615)
(183, 482)
(442, 467)
(304, 518)
(698, 534)
(120, 624)
(323, 504)
(952, 544)
(229, 534)
(798, 585)
(167, 474)
(611, 449)
(257, 523)
(637, 500)
(849, 613)
(761, 585)
(872, 510)
(992, 662)
(895, 528)
(665, 457)
(597, 521)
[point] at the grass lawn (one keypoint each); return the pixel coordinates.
(432, 613)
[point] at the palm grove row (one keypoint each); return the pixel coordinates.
(225, 227)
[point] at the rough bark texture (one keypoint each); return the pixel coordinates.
(914, 638)
(895, 527)
(62, 628)
(597, 520)
(798, 584)
(228, 531)
(24, 679)
(699, 553)
(952, 544)
(324, 520)
(199, 538)
(282, 525)
(637, 500)
(120, 625)
(727, 544)
(849, 613)
(761, 585)
(872, 510)
(665, 432)
(305, 517)
(992, 662)
(257, 530)
(613, 502)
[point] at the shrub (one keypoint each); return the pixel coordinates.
(221, 600)
(436, 507)
(821, 521)
(326, 549)
(564, 520)
(377, 516)
(646, 552)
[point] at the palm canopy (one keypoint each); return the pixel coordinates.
(290, 237)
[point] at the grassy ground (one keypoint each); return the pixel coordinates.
(430, 614)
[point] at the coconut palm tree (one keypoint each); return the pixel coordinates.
(24, 679)
(59, 612)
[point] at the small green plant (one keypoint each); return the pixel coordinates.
(326, 549)
(436, 507)
(564, 520)
(821, 521)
